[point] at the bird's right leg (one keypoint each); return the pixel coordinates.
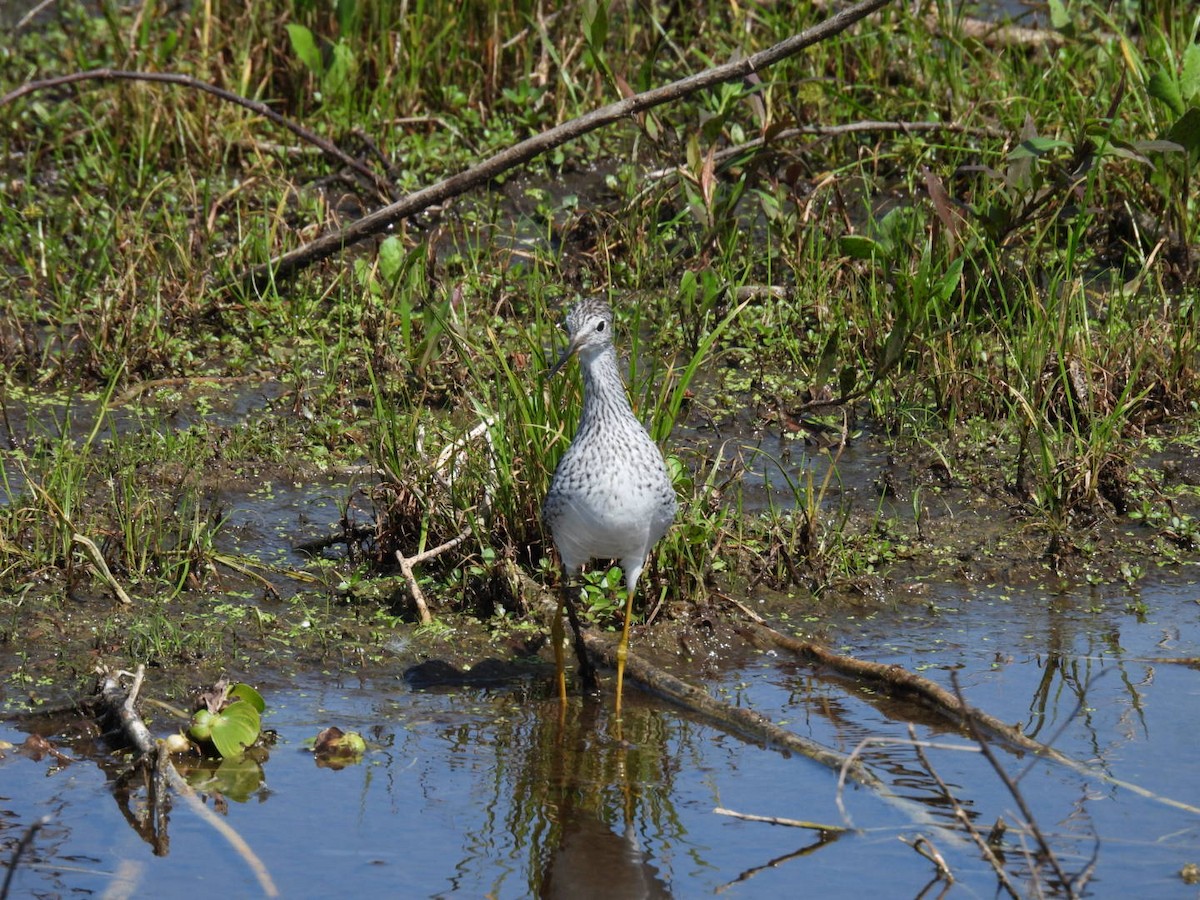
(587, 672)
(556, 638)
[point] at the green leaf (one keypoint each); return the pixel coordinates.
(595, 25)
(1189, 78)
(249, 694)
(339, 77)
(1164, 87)
(305, 47)
(1157, 147)
(201, 727)
(847, 379)
(391, 258)
(858, 246)
(1035, 147)
(235, 728)
(1059, 20)
(948, 283)
(1186, 131)
(347, 16)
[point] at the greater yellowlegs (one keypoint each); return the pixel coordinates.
(611, 497)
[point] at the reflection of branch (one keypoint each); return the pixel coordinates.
(1047, 852)
(963, 818)
(739, 720)
(778, 861)
(22, 846)
(121, 705)
(327, 147)
(751, 723)
(283, 267)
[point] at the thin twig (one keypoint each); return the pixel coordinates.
(777, 820)
(98, 559)
(925, 848)
(32, 14)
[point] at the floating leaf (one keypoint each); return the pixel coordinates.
(249, 694)
(235, 728)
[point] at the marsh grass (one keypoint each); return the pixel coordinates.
(1027, 274)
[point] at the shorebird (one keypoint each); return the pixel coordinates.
(611, 496)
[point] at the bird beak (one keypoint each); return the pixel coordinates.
(562, 360)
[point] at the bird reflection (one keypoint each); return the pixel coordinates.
(595, 800)
(593, 861)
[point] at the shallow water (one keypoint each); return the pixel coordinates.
(473, 792)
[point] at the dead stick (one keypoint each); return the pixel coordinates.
(287, 265)
(410, 577)
(776, 820)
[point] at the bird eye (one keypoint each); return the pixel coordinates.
(600, 326)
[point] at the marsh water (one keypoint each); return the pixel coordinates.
(499, 792)
(496, 790)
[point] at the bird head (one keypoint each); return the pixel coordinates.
(589, 327)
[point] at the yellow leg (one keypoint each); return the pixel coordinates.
(556, 637)
(623, 650)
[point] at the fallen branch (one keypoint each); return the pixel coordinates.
(898, 681)
(750, 723)
(121, 705)
(382, 185)
(824, 131)
(287, 265)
